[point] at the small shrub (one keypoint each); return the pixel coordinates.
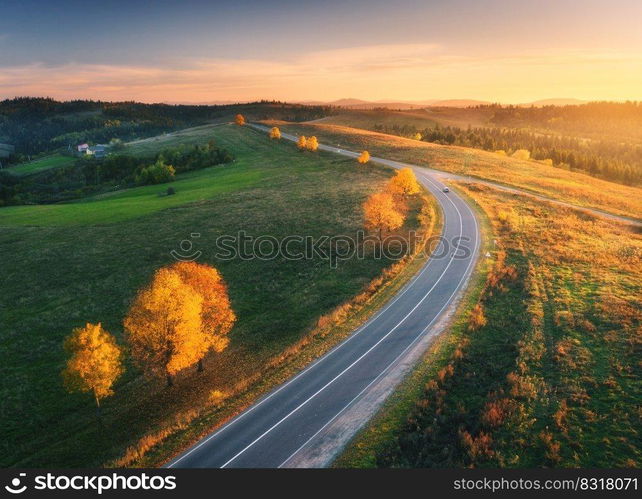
(158, 173)
(477, 318)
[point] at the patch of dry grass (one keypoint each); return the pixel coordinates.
(552, 376)
(533, 176)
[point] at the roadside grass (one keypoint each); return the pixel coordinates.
(72, 267)
(547, 371)
(529, 175)
(329, 329)
(41, 164)
(386, 425)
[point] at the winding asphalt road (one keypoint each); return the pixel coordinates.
(293, 419)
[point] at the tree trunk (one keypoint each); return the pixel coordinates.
(98, 411)
(200, 367)
(170, 380)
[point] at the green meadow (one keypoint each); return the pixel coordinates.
(66, 264)
(125, 204)
(42, 164)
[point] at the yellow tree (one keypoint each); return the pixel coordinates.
(302, 142)
(404, 183)
(239, 120)
(275, 133)
(380, 213)
(164, 326)
(94, 363)
(217, 316)
(364, 158)
(312, 144)
(522, 154)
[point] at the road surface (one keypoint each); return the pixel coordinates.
(307, 420)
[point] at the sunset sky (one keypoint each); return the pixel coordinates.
(411, 50)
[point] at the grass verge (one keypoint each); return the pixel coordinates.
(547, 372)
(361, 452)
(61, 272)
(157, 447)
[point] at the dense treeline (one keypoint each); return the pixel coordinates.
(36, 125)
(621, 121)
(610, 160)
(39, 125)
(116, 171)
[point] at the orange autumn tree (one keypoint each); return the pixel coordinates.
(275, 133)
(312, 144)
(239, 120)
(217, 315)
(302, 142)
(94, 363)
(164, 326)
(364, 158)
(404, 183)
(380, 213)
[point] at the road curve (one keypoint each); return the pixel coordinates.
(282, 426)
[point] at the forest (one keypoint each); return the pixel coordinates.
(607, 158)
(37, 125)
(620, 121)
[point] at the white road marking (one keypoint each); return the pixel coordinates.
(305, 402)
(324, 357)
(419, 336)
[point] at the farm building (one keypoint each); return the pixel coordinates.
(98, 151)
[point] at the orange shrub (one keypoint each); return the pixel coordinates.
(477, 318)
(364, 157)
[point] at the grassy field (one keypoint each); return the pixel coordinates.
(84, 261)
(136, 202)
(562, 325)
(532, 176)
(188, 136)
(420, 118)
(42, 164)
(367, 119)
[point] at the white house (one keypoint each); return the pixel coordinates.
(99, 150)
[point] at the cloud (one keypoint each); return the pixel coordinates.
(400, 71)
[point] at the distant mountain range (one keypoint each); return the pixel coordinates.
(363, 104)
(352, 103)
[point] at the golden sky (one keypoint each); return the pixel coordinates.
(407, 51)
